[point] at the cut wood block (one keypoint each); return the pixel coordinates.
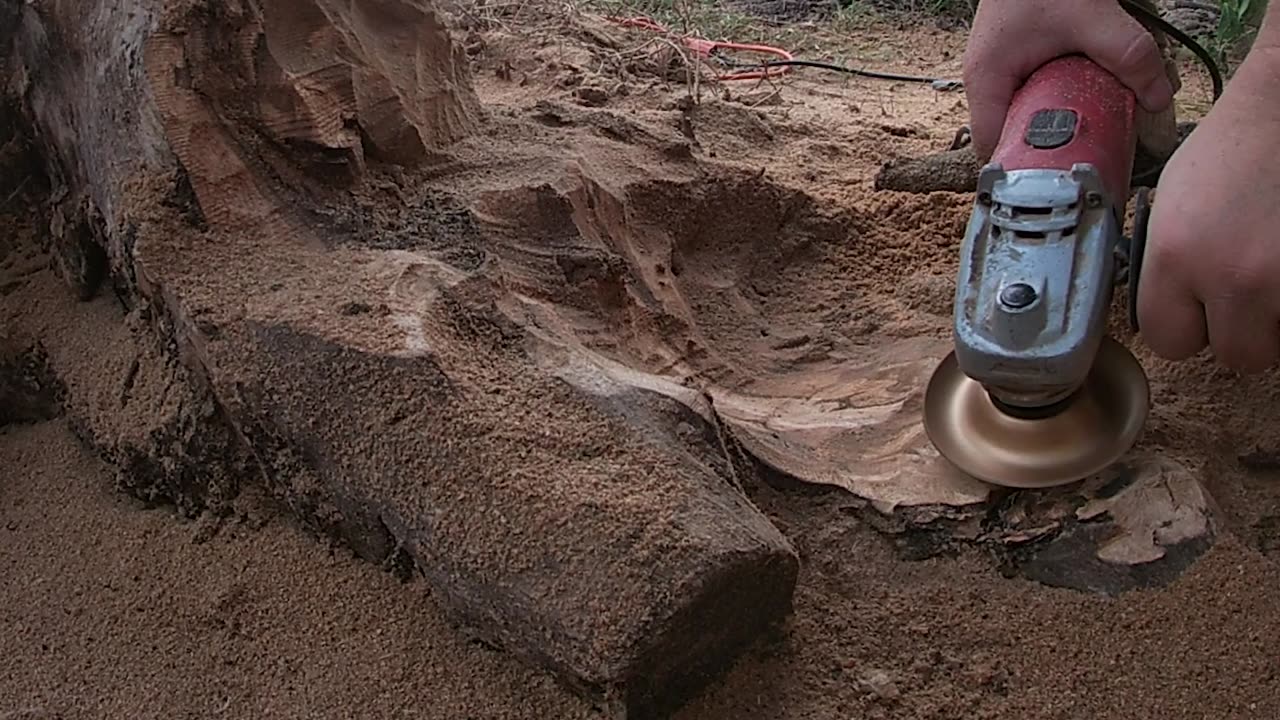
(579, 543)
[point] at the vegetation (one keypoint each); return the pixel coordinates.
(1237, 25)
(811, 26)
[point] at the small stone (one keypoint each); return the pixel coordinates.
(591, 95)
(206, 527)
(879, 683)
(986, 673)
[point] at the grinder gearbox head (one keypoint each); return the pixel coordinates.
(1037, 267)
(1035, 394)
(1032, 386)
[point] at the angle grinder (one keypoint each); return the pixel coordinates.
(1036, 393)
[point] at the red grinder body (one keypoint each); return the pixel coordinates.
(1034, 394)
(1072, 110)
(1038, 259)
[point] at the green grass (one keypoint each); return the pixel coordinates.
(851, 17)
(715, 20)
(707, 18)
(1237, 27)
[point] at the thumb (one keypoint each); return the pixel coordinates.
(1121, 45)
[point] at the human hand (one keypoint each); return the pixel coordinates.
(1012, 38)
(1211, 273)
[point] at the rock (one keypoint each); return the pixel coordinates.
(29, 392)
(592, 95)
(879, 683)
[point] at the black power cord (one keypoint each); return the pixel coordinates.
(937, 83)
(1215, 75)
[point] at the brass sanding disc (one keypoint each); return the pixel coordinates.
(1098, 425)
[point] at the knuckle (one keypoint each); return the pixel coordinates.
(1166, 259)
(1243, 357)
(1141, 58)
(981, 57)
(971, 66)
(1169, 345)
(1240, 283)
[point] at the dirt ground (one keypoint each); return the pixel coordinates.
(111, 610)
(788, 262)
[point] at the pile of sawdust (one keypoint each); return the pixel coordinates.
(111, 610)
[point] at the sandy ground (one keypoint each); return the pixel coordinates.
(112, 610)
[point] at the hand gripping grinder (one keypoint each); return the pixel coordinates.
(1036, 393)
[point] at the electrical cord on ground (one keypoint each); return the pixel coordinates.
(1215, 75)
(936, 83)
(711, 49)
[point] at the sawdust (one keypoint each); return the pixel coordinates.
(765, 273)
(111, 611)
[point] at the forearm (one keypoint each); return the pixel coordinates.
(1264, 56)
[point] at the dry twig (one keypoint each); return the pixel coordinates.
(15, 192)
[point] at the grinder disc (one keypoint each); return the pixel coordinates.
(1098, 425)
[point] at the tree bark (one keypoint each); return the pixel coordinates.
(377, 390)
(949, 171)
(956, 171)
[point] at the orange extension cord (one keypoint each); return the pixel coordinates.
(705, 49)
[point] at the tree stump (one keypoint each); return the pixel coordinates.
(201, 160)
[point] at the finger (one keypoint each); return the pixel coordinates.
(989, 95)
(1170, 316)
(991, 76)
(1242, 335)
(1123, 46)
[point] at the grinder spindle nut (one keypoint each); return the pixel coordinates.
(1018, 296)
